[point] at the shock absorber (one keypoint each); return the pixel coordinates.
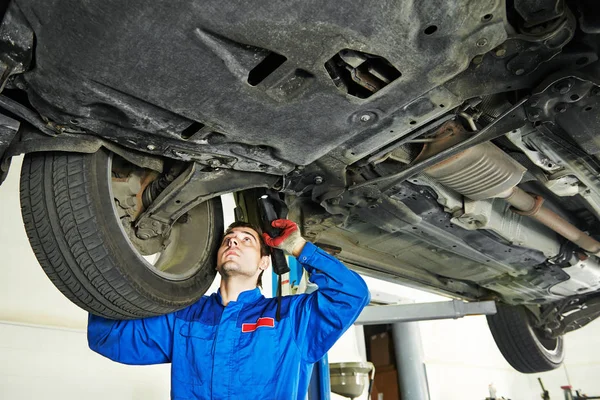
(156, 187)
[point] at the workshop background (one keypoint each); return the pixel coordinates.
(44, 352)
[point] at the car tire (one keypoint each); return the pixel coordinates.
(525, 349)
(77, 237)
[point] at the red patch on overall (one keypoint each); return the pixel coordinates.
(264, 321)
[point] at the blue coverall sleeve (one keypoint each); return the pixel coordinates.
(324, 315)
(137, 342)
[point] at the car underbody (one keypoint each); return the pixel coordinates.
(399, 134)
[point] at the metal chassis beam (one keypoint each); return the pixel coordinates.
(194, 186)
(390, 314)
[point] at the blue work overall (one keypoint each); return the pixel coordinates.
(240, 351)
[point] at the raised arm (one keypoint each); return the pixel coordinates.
(320, 318)
(324, 315)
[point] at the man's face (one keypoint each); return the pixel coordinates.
(239, 254)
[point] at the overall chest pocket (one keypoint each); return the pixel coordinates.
(195, 350)
(259, 355)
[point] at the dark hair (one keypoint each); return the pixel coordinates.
(264, 249)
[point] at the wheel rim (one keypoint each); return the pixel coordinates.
(552, 348)
(181, 254)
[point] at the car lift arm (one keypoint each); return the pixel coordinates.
(390, 314)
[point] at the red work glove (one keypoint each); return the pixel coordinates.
(289, 240)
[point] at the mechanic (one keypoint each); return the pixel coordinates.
(230, 345)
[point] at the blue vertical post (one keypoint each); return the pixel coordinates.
(319, 387)
(295, 274)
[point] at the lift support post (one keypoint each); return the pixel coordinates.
(412, 377)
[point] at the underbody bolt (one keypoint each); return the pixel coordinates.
(365, 117)
(500, 52)
(519, 71)
(561, 108)
(553, 324)
(151, 147)
(534, 113)
(144, 236)
(318, 180)
(563, 87)
(481, 42)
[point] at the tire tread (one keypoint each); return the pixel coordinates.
(59, 220)
(509, 327)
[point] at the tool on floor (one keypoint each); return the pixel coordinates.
(568, 392)
(545, 393)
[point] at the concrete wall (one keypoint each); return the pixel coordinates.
(55, 363)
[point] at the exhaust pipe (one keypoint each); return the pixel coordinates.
(532, 206)
(484, 172)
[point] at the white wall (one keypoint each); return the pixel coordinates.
(54, 363)
(26, 294)
(462, 359)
